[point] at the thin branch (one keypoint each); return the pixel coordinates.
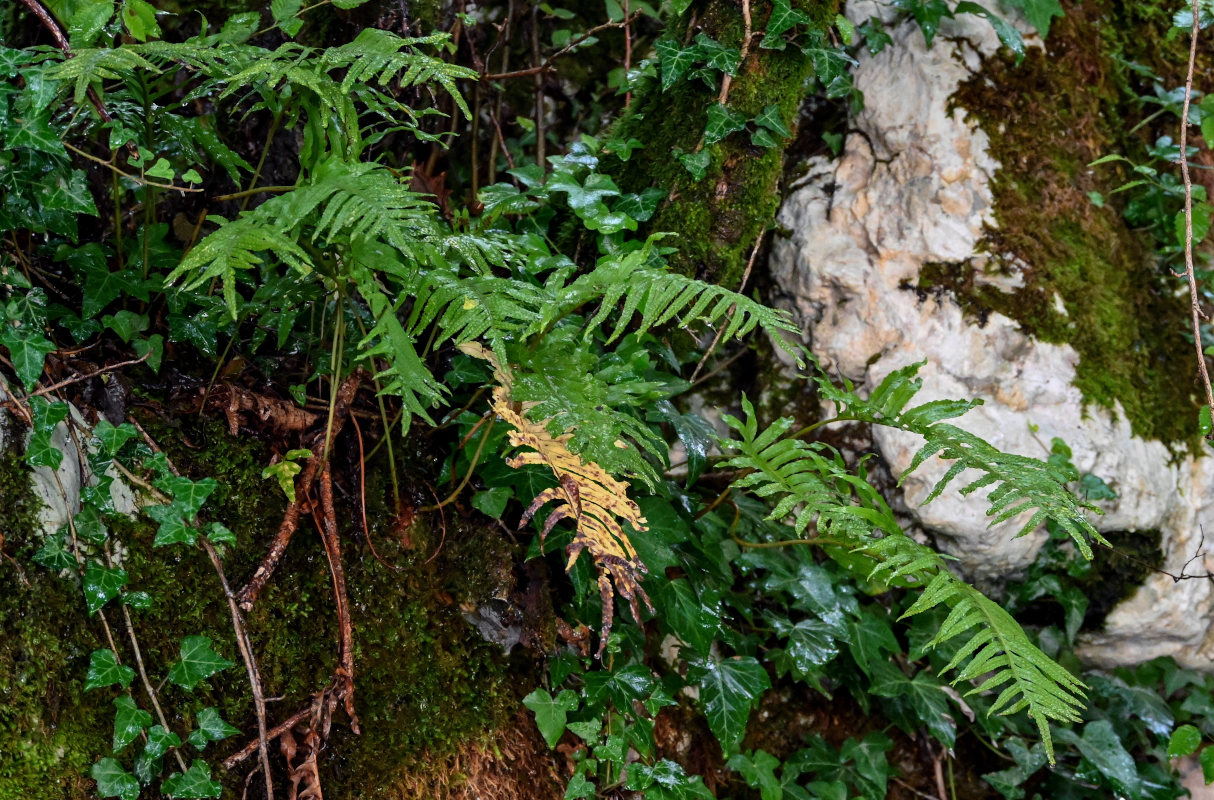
(1188, 208)
(131, 176)
(69, 381)
(727, 81)
(546, 64)
(278, 730)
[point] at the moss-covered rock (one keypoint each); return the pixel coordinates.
(425, 682)
(718, 218)
(1088, 279)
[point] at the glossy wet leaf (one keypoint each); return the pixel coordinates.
(104, 670)
(113, 780)
(1184, 741)
(198, 662)
(729, 689)
(211, 728)
(102, 584)
(195, 782)
(129, 721)
(551, 712)
(150, 760)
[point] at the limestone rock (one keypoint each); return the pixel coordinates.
(910, 188)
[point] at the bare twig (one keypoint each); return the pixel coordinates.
(727, 81)
(343, 676)
(79, 378)
(1188, 208)
(546, 64)
(732, 309)
(249, 749)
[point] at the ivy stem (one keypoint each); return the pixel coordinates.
(476, 457)
(1190, 272)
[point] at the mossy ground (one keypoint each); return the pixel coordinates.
(1089, 280)
(426, 683)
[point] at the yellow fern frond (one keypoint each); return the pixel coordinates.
(586, 494)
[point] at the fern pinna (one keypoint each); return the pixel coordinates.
(810, 482)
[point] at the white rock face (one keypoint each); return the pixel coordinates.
(911, 187)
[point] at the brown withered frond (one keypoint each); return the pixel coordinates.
(585, 494)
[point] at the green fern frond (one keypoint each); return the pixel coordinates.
(811, 482)
(1022, 484)
(237, 246)
(93, 65)
(381, 56)
(660, 297)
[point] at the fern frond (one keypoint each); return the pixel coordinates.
(237, 245)
(660, 296)
(1022, 484)
(811, 482)
(86, 67)
(380, 56)
(585, 494)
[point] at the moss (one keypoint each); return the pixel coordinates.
(1088, 280)
(425, 682)
(718, 219)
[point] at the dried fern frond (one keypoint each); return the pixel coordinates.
(585, 494)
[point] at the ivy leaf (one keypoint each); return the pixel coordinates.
(928, 14)
(1184, 742)
(1207, 764)
(761, 137)
(687, 618)
(102, 584)
(129, 721)
(674, 60)
(1007, 33)
(218, 533)
(27, 347)
(140, 601)
(492, 502)
(89, 526)
(729, 689)
(551, 712)
(54, 554)
(809, 644)
(126, 324)
(188, 495)
(759, 772)
(722, 121)
(150, 762)
(104, 670)
(1039, 13)
(718, 56)
(113, 780)
(1100, 745)
(695, 163)
(113, 437)
(783, 17)
(174, 530)
(195, 782)
(770, 118)
(926, 697)
(211, 728)
(198, 662)
(871, 640)
(70, 193)
(41, 452)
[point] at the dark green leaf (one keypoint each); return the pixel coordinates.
(729, 688)
(675, 61)
(27, 348)
(783, 17)
(102, 584)
(195, 782)
(492, 502)
(722, 121)
(211, 728)
(113, 780)
(1007, 33)
(113, 438)
(759, 772)
(41, 452)
(126, 324)
(151, 760)
(1101, 745)
(695, 163)
(809, 644)
(198, 662)
(129, 721)
(188, 495)
(104, 670)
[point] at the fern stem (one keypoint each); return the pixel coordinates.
(821, 423)
(476, 457)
